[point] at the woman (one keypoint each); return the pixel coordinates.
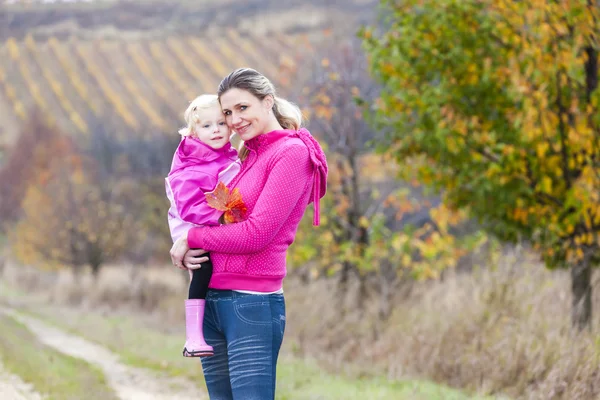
(283, 170)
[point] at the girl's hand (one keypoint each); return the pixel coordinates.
(192, 259)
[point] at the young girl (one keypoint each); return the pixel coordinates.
(203, 158)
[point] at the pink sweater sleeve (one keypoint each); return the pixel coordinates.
(188, 192)
(287, 182)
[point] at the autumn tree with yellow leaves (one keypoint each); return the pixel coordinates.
(496, 104)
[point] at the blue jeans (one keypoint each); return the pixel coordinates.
(246, 331)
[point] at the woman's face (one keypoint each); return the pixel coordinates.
(247, 115)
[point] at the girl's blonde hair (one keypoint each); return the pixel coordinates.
(287, 113)
(191, 116)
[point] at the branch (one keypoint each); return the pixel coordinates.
(542, 197)
(375, 207)
(561, 130)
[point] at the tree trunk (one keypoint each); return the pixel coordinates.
(344, 286)
(95, 270)
(387, 278)
(349, 275)
(76, 271)
(581, 290)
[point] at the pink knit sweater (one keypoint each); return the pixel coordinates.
(285, 171)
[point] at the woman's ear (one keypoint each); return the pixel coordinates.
(268, 102)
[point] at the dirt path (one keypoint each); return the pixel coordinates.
(128, 383)
(13, 388)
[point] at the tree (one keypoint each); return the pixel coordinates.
(136, 164)
(372, 223)
(495, 103)
(69, 216)
(333, 84)
(18, 166)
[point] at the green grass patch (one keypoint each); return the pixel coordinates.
(304, 380)
(129, 337)
(137, 343)
(51, 373)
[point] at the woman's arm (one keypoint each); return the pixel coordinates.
(290, 177)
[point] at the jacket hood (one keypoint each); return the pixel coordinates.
(192, 151)
(319, 161)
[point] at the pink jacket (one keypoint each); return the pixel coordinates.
(284, 172)
(196, 169)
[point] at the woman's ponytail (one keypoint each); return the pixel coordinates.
(287, 113)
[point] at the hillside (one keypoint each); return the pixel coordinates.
(134, 66)
(133, 84)
(22, 17)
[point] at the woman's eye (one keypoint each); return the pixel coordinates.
(243, 107)
(228, 112)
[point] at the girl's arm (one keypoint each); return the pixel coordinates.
(290, 177)
(190, 201)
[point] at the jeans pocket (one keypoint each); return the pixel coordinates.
(252, 310)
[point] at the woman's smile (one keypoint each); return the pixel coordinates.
(241, 129)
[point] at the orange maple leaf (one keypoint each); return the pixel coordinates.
(231, 203)
(217, 199)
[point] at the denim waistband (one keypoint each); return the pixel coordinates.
(225, 294)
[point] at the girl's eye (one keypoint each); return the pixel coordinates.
(222, 123)
(206, 126)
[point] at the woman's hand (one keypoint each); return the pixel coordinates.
(178, 251)
(184, 258)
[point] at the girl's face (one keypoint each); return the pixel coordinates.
(246, 114)
(212, 128)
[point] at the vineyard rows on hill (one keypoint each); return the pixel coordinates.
(133, 85)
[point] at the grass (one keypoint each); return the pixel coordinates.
(304, 380)
(499, 330)
(51, 373)
(131, 336)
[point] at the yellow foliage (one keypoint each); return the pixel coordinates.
(530, 143)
